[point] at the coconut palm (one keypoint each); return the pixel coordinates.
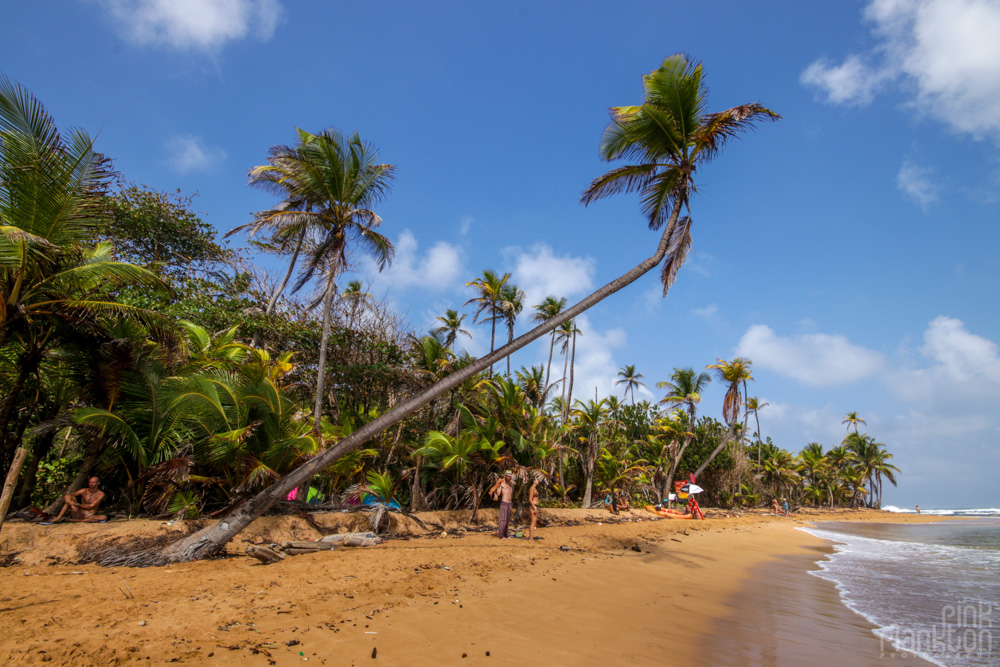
(670, 134)
(451, 327)
(531, 380)
(852, 419)
(589, 416)
(55, 278)
(511, 304)
(355, 297)
(567, 333)
(290, 221)
(872, 461)
(332, 182)
(754, 405)
(489, 286)
(684, 390)
(735, 374)
(544, 312)
(815, 467)
(630, 378)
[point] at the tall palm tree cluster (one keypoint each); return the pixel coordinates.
(135, 347)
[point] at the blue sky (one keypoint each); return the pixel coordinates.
(850, 250)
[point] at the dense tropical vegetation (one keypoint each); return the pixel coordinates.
(171, 366)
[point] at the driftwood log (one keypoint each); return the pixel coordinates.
(265, 555)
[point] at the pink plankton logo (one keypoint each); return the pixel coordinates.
(964, 631)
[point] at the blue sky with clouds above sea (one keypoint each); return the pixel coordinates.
(850, 250)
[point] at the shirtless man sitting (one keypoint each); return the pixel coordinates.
(83, 504)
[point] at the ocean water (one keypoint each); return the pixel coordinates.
(931, 590)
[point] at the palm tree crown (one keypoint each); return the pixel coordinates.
(670, 134)
(733, 373)
(630, 378)
(451, 327)
(852, 419)
(489, 287)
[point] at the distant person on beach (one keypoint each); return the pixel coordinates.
(918, 509)
(788, 512)
(777, 510)
(83, 504)
(623, 502)
(533, 499)
(504, 490)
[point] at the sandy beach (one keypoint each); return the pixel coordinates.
(731, 590)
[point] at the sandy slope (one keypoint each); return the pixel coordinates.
(428, 600)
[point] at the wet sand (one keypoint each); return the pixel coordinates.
(783, 615)
(623, 592)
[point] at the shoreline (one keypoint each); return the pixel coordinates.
(429, 600)
(785, 615)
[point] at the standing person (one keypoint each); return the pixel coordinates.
(83, 504)
(504, 490)
(533, 499)
(918, 509)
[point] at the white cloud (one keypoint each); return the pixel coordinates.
(595, 364)
(439, 269)
(709, 312)
(540, 273)
(188, 153)
(964, 370)
(464, 225)
(915, 182)
(817, 360)
(947, 52)
(193, 25)
(852, 83)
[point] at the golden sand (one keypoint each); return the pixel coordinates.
(635, 590)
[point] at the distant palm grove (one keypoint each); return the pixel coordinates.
(137, 347)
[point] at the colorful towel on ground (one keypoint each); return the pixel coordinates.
(504, 519)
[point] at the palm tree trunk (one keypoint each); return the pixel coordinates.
(27, 365)
(212, 538)
(669, 483)
(588, 473)
(273, 302)
(725, 441)
(565, 405)
(548, 367)
(323, 342)
(572, 366)
(493, 339)
(11, 481)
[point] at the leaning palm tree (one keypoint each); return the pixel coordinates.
(489, 287)
(630, 378)
(670, 135)
(684, 390)
(544, 312)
